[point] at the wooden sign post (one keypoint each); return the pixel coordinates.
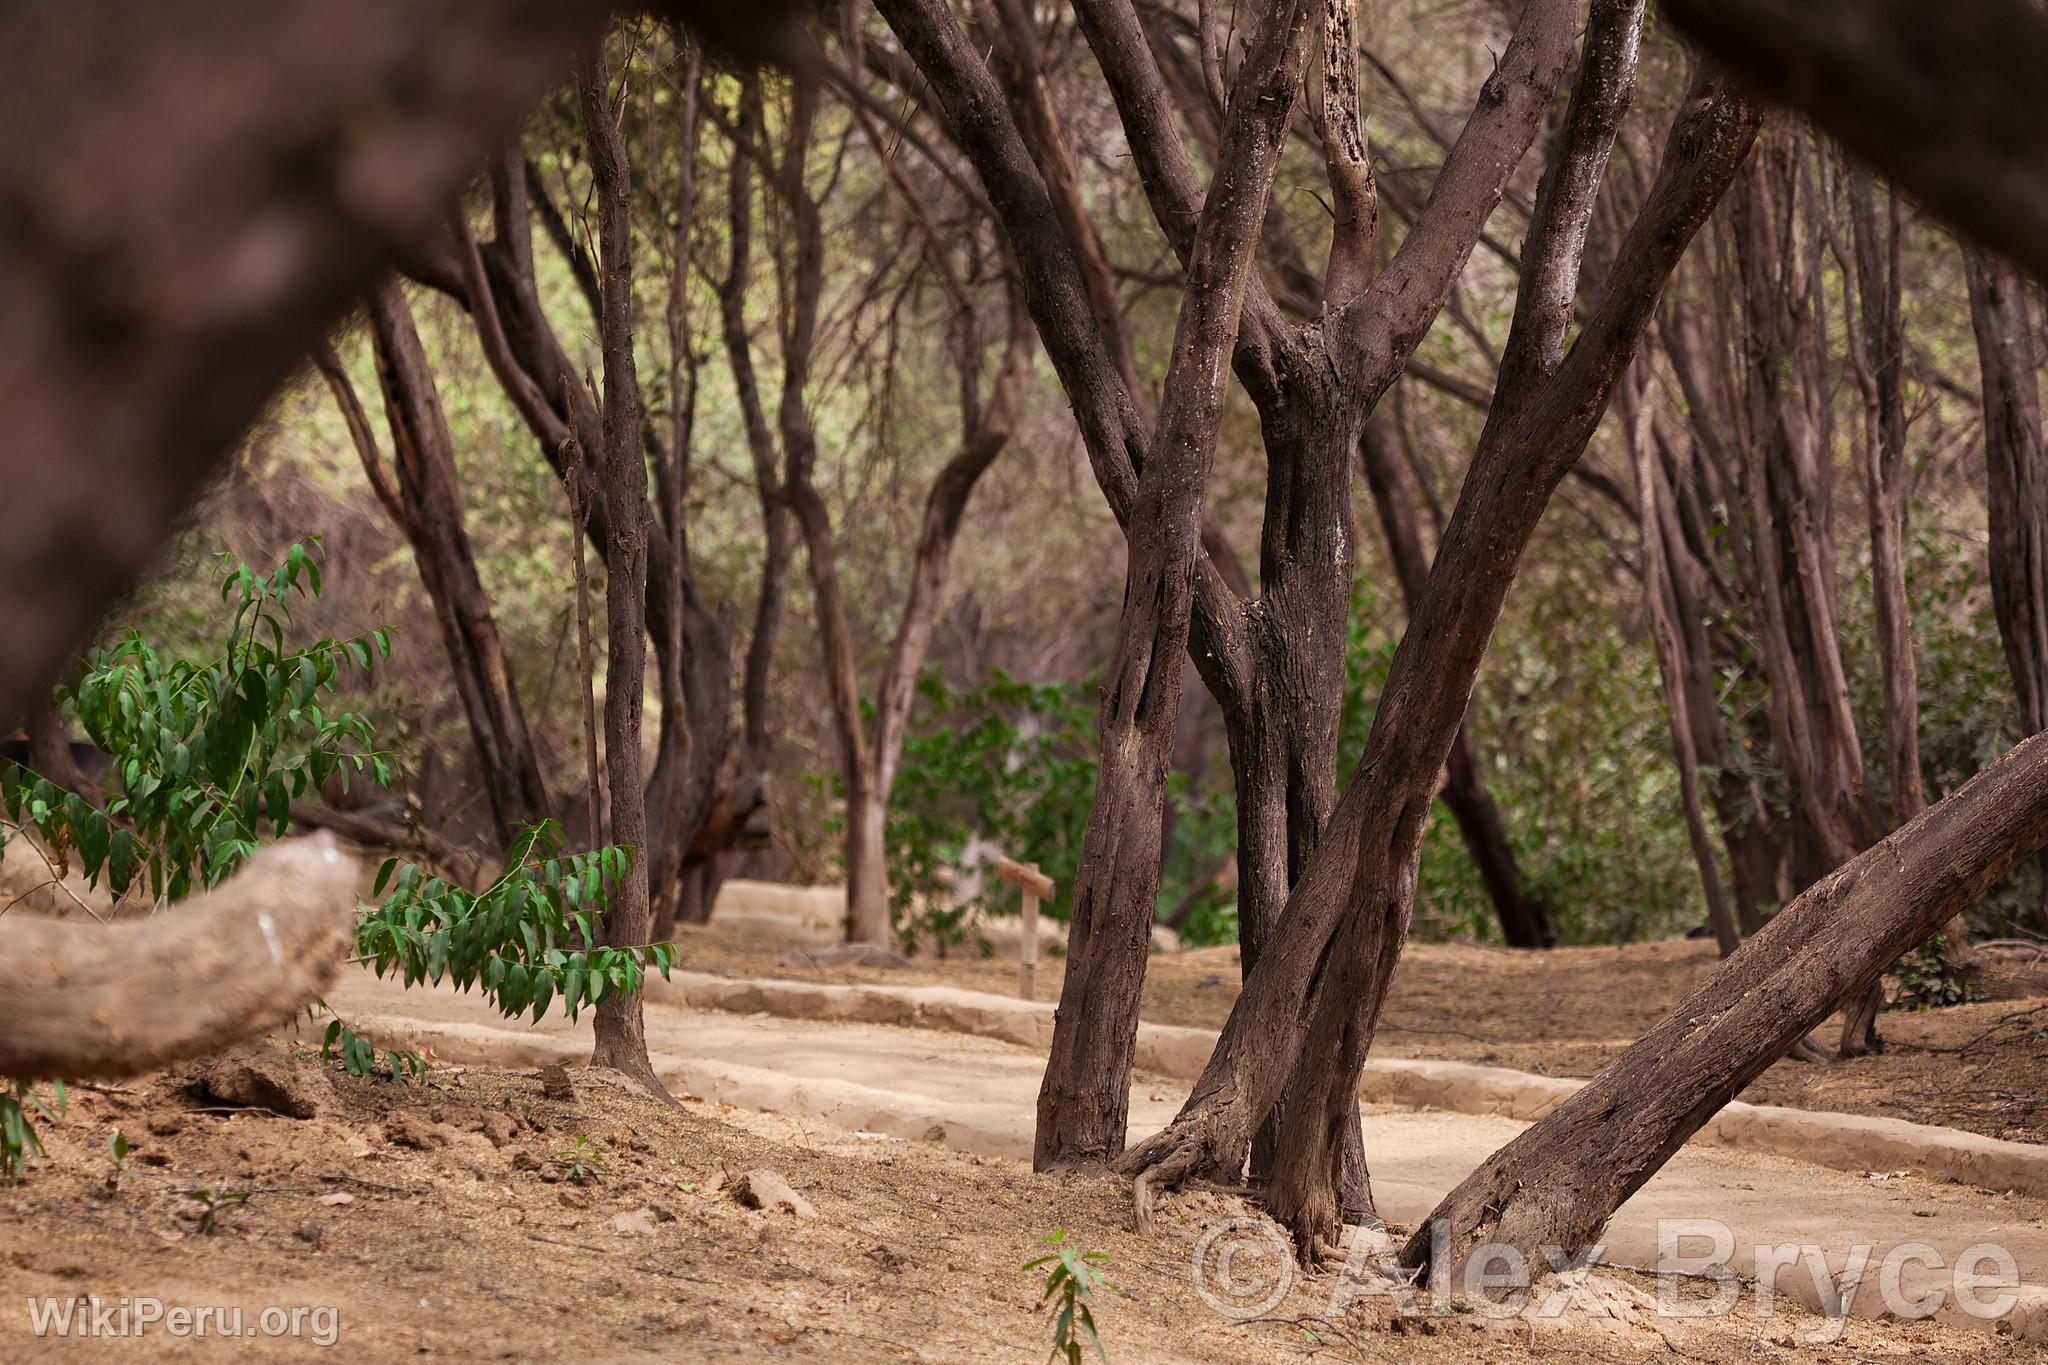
(1034, 886)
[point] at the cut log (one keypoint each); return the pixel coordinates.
(80, 1001)
(1559, 1182)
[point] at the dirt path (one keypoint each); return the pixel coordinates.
(1982, 1067)
(976, 1095)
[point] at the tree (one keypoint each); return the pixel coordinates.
(2016, 479)
(1558, 1182)
(497, 282)
(1313, 384)
(1154, 479)
(867, 760)
(622, 488)
(426, 505)
(1298, 1035)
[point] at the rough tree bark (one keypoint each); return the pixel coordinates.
(1379, 323)
(1523, 923)
(426, 504)
(2016, 480)
(1699, 476)
(1557, 1183)
(1299, 1033)
(1275, 663)
(621, 1025)
(1083, 1103)
(1787, 482)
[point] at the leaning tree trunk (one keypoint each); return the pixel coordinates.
(427, 503)
(2016, 481)
(81, 1001)
(1559, 1182)
(1523, 923)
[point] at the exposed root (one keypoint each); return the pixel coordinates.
(637, 1069)
(1806, 1050)
(1169, 1173)
(1187, 1149)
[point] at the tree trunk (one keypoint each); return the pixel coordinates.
(88, 1000)
(1523, 923)
(428, 506)
(867, 867)
(2016, 482)
(1558, 1182)
(621, 1026)
(1671, 670)
(1300, 1031)
(50, 753)
(1084, 1102)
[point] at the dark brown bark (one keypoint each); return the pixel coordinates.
(224, 243)
(1523, 924)
(1084, 1101)
(1275, 664)
(622, 486)
(1299, 1033)
(1939, 98)
(1880, 375)
(2016, 481)
(425, 500)
(1787, 484)
(1558, 1182)
(1699, 583)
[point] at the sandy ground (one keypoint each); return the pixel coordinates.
(1566, 1012)
(977, 1095)
(434, 1221)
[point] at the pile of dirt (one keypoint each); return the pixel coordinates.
(475, 1218)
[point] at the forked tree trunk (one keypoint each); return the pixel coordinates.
(2016, 481)
(1300, 1031)
(1084, 1101)
(1558, 1183)
(427, 505)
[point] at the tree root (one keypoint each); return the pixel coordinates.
(1190, 1148)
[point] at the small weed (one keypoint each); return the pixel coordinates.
(19, 1143)
(1071, 1286)
(212, 1204)
(581, 1163)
